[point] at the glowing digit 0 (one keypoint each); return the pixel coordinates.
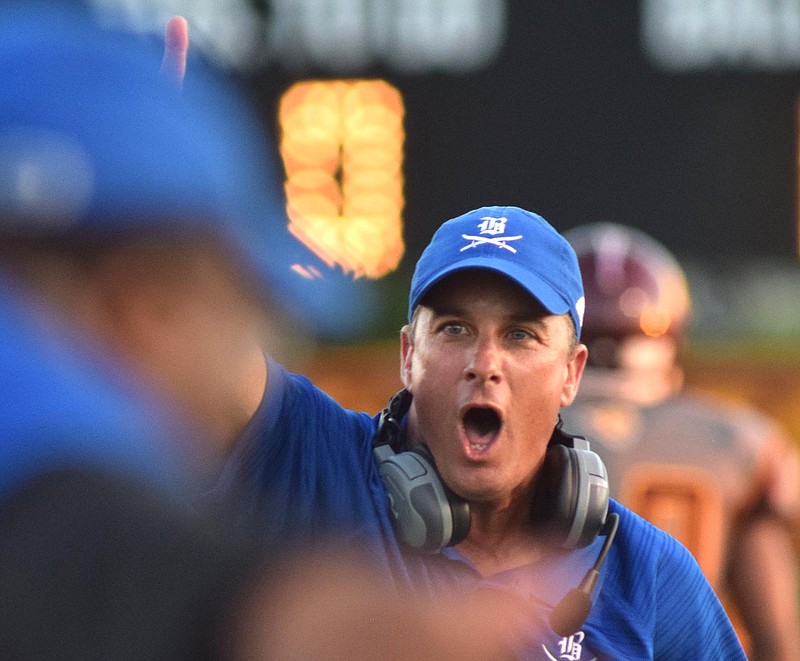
(342, 148)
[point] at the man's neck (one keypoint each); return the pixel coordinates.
(500, 540)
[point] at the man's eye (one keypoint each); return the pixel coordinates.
(453, 328)
(519, 334)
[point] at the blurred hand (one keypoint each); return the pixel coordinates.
(334, 607)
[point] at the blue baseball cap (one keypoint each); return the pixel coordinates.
(519, 244)
(93, 140)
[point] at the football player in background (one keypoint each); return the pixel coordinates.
(720, 477)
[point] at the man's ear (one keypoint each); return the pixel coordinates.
(574, 371)
(406, 355)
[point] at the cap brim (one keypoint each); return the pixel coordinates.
(537, 287)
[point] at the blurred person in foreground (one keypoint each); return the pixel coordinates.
(101, 554)
(138, 234)
(722, 478)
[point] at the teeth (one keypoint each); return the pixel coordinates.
(478, 446)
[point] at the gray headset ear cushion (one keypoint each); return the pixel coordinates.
(571, 500)
(461, 518)
(554, 503)
(457, 507)
(426, 515)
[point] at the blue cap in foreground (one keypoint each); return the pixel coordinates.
(519, 244)
(93, 140)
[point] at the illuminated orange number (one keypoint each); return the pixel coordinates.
(686, 502)
(342, 148)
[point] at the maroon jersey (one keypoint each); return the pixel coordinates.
(688, 463)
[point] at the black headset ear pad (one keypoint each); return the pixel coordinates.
(571, 500)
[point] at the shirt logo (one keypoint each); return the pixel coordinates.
(570, 648)
(492, 226)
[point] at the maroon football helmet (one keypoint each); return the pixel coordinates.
(633, 286)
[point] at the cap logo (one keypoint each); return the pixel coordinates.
(491, 225)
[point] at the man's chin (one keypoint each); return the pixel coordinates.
(476, 490)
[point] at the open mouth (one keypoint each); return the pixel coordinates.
(481, 425)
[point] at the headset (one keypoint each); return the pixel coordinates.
(570, 504)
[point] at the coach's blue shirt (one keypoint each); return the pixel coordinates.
(305, 470)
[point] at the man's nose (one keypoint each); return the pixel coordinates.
(485, 361)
